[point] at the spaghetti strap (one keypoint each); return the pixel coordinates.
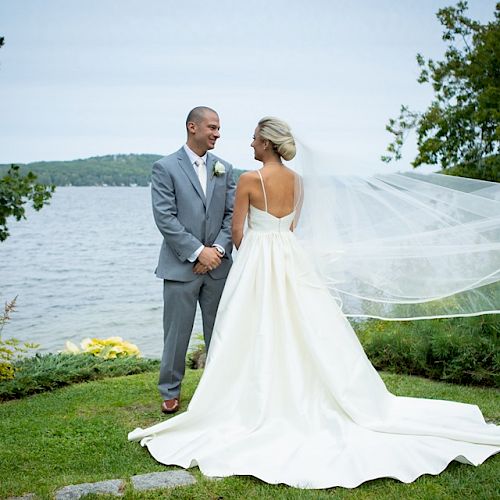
(299, 195)
(263, 188)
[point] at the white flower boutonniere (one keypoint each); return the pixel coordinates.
(219, 169)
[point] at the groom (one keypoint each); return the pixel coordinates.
(193, 195)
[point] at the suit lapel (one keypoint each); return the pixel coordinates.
(210, 177)
(189, 171)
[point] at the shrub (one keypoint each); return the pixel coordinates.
(46, 372)
(10, 349)
(460, 350)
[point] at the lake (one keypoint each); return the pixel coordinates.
(83, 266)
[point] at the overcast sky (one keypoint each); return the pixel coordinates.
(95, 77)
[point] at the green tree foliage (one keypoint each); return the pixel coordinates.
(15, 191)
(462, 124)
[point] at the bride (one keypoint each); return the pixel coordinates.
(288, 394)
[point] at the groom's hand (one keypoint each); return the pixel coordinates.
(210, 258)
(199, 268)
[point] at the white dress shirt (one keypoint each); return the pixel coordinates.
(193, 158)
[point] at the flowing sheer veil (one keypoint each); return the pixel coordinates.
(401, 246)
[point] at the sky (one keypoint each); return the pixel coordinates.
(96, 77)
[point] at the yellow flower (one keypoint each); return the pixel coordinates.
(71, 348)
(131, 349)
(109, 348)
(113, 340)
(86, 343)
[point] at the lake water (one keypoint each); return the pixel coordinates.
(84, 267)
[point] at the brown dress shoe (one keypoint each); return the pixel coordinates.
(170, 405)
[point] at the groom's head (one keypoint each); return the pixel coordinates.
(202, 125)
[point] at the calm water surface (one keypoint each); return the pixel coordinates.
(84, 267)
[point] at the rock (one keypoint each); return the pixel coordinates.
(168, 479)
(74, 491)
(201, 361)
(26, 496)
(196, 359)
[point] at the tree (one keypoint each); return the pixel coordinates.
(16, 190)
(462, 124)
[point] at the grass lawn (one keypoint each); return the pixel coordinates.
(79, 434)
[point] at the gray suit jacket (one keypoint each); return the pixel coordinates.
(186, 218)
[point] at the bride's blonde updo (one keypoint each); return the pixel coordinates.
(279, 133)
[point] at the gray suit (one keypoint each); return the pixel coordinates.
(188, 219)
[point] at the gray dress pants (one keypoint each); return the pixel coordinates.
(179, 309)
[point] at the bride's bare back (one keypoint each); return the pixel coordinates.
(280, 185)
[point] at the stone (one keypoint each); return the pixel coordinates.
(201, 361)
(26, 496)
(74, 491)
(168, 479)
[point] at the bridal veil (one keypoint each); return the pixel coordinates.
(401, 246)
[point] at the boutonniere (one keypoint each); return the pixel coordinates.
(219, 169)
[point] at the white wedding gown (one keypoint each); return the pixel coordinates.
(289, 396)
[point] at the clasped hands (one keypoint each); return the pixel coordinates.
(208, 260)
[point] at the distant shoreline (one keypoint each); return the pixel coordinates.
(107, 171)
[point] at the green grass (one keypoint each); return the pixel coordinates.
(78, 434)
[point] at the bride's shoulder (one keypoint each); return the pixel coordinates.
(248, 177)
(246, 181)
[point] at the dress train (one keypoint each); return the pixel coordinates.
(289, 396)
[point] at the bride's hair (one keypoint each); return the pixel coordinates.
(279, 133)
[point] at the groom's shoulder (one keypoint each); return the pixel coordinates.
(170, 159)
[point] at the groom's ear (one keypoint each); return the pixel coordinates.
(191, 127)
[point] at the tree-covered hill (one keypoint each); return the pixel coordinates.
(109, 170)
(112, 170)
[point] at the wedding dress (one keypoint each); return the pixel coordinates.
(289, 396)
